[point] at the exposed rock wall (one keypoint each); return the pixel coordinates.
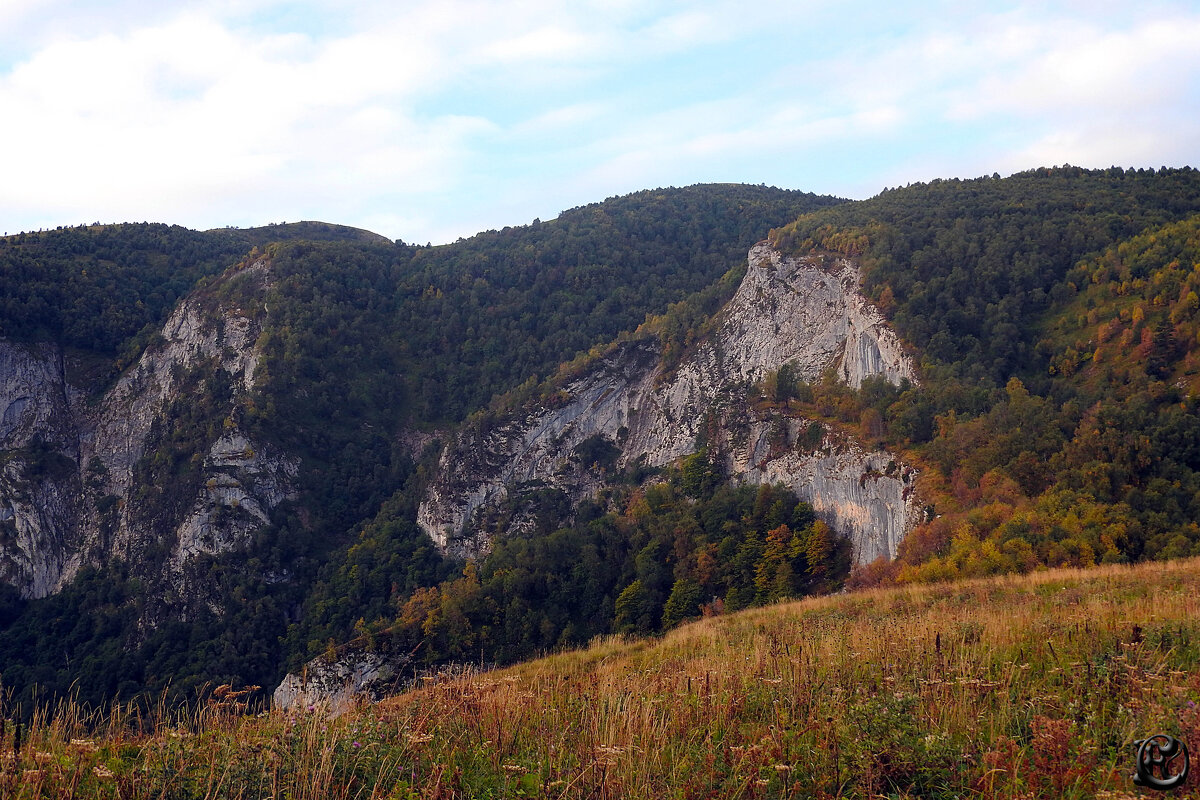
(243, 486)
(68, 461)
(787, 311)
(39, 450)
(867, 495)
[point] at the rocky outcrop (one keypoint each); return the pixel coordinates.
(334, 687)
(69, 458)
(243, 486)
(796, 311)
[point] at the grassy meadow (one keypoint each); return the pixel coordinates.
(1012, 687)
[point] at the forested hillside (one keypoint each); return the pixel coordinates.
(1053, 315)
(634, 561)
(96, 287)
(1054, 312)
(367, 347)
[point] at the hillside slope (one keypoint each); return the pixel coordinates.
(1033, 686)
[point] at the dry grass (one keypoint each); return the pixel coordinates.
(1011, 687)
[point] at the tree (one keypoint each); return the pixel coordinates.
(633, 610)
(683, 603)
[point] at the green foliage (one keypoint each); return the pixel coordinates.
(74, 635)
(169, 476)
(96, 287)
(699, 476)
(1104, 466)
(391, 560)
(682, 604)
(1054, 315)
(486, 313)
(598, 452)
(688, 321)
(634, 610)
(306, 232)
(659, 557)
(364, 339)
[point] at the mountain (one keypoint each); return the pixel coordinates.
(225, 453)
(1053, 315)
(179, 473)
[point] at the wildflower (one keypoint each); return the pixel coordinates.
(101, 771)
(357, 744)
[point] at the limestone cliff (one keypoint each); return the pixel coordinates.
(797, 311)
(70, 458)
(39, 453)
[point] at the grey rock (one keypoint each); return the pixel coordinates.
(68, 459)
(334, 687)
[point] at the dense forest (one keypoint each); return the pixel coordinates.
(95, 288)
(1053, 315)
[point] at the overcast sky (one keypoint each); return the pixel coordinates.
(427, 120)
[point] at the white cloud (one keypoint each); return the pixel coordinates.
(561, 119)
(702, 142)
(1083, 68)
(179, 118)
(14, 11)
(541, 44)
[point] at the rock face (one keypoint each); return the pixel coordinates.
(73, 465)
(334, 687)
(795, 311)
(867, 496)
(39, 484)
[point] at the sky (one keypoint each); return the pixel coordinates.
(431, 120)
